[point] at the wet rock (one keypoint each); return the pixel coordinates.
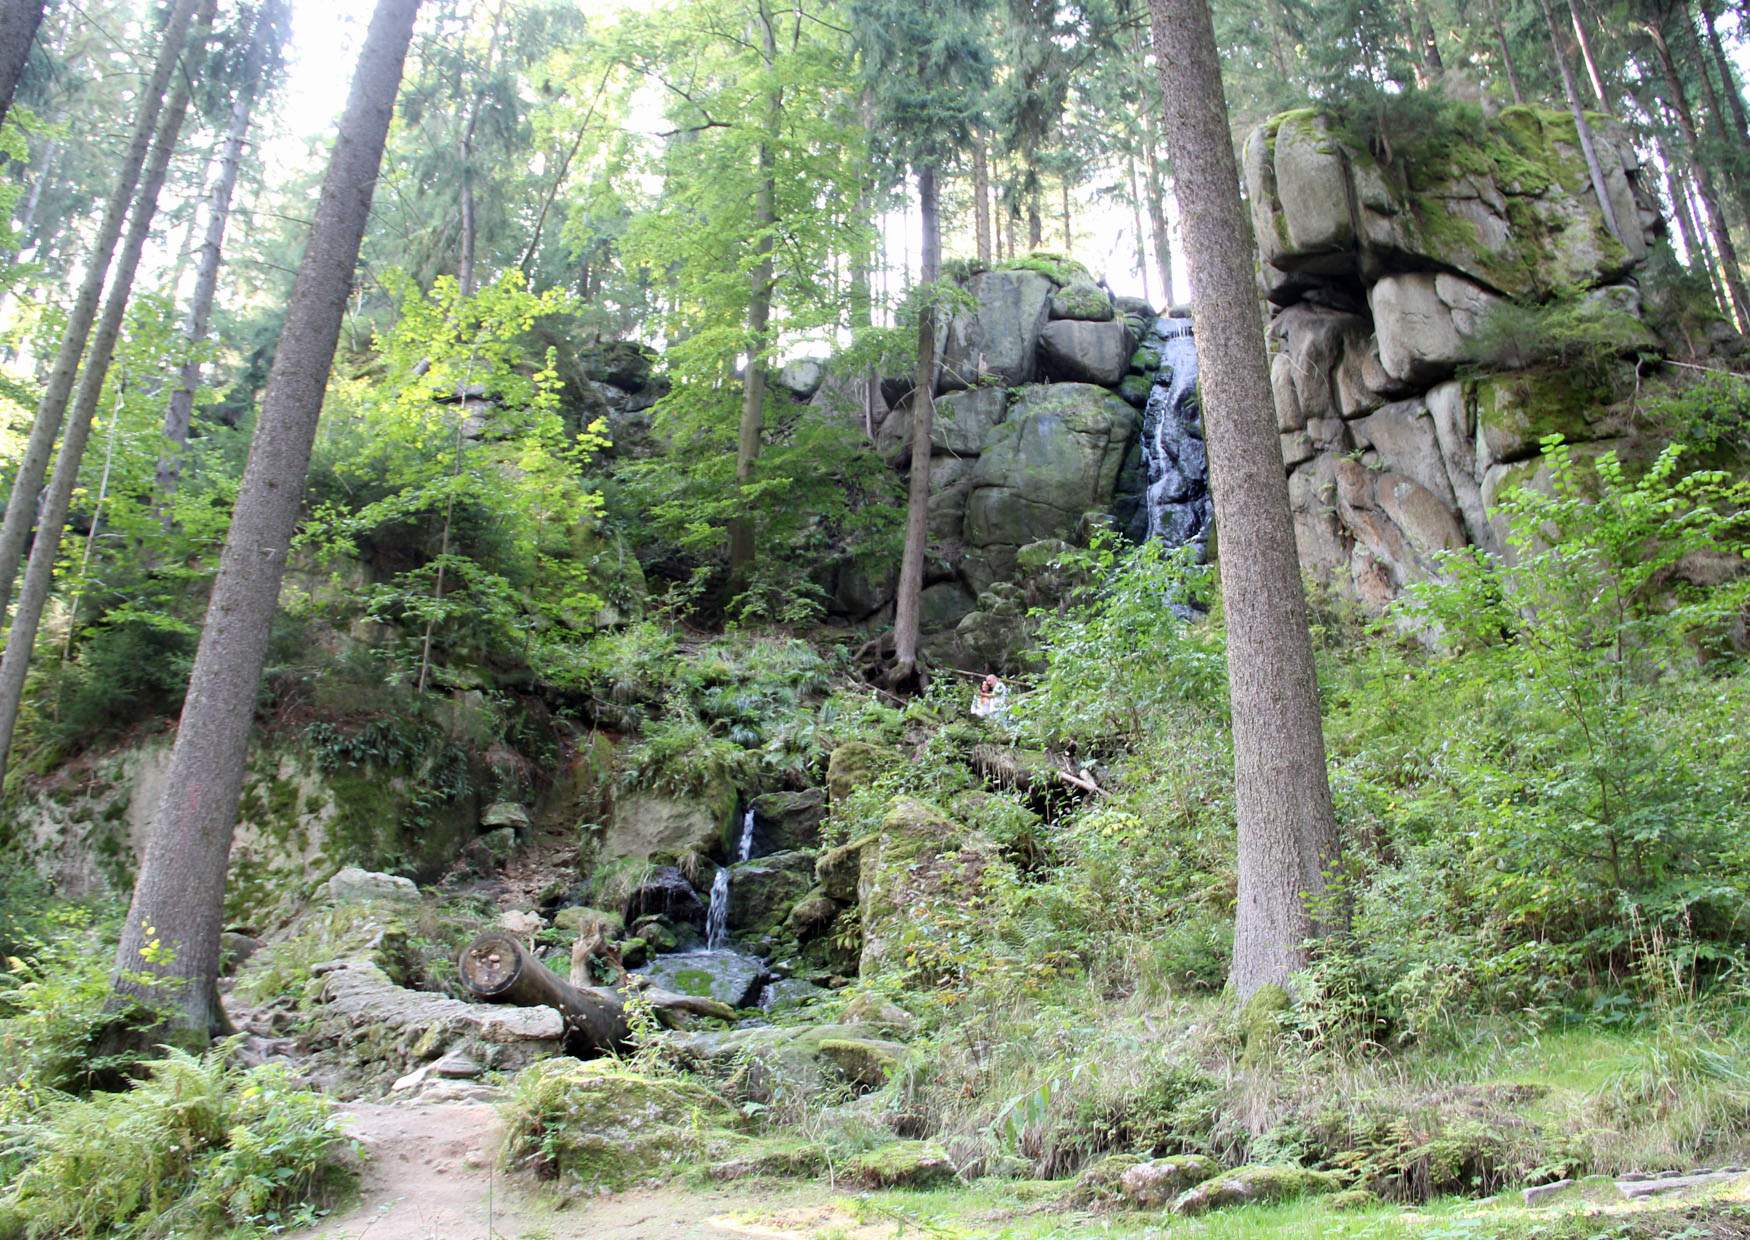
(665, 892)
(726, 976)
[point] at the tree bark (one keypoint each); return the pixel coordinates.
(759, 317)
(1704, 180)
(39, 574)
(908, 601)
(19, 20)
(1035, 223)
(1157, 213)
(1287, 827)
(1600, 188)
(981, 199)
(180, 412)
(173, 924)
(1586, 57)
(496, 968)
(1506, 52)
(1728, 80)
(33, 464)
(1136, 223)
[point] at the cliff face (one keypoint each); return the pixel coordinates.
(1404, 406)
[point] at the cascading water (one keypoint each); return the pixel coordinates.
(717, 915)
(1177, 501)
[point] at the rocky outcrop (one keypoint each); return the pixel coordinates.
(1403, 409)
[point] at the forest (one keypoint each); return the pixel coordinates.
(1004, 619)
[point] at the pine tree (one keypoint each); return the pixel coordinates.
(21, 505)
(1287, 826)
(177, 912)
(19, 20)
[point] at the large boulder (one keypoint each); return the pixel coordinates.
(1054, 461)
(665, 892)
(762, 891)
(786, 820)
(959, 424)
(1076, 351)
(603, 1125)
(801, 378)
(998, 339)
(1427, 323)
(1082, 299)
(916, 875)
(726, 976)
(646, 824)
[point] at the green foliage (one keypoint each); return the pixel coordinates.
(199, 1147)
(1127, 650)
(1584, 335)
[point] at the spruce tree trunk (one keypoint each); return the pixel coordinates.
(981, 199)
(1287, 827)
(1704, 180)
(1136, 223)
(1733, 151)
(1507, 64)
(39, 574)
(908, 602)
(180, 412)
(19, 20)
(1591, 63)
(27, 482)
(1600, 188)
(1728, 79)
(1157, 214)
(177, 912)
(1035, 222)
(759, 317)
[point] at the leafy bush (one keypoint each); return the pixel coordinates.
(199, 1147)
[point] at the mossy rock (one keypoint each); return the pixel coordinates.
(1135, 389)
(1100, 1180)
(864, 1062)
(854, 764)
(1352, 1199)
(838, 868)
(1254, 1184)
(1060, 269)
(601, 1125)
(901, 1164)
(1157, 1182)
(1082, 300)
(582, 919)
(770, 1156)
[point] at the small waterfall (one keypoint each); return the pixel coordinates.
(717, 915)
(1178, 503)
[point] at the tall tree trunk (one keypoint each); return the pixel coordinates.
(863, 245)
(1068, 237)
(469, 228)
(1704, 180)
(1035, 222)
(1287, 827)
(981, 198)
(1591, 63)
(180, 411)
(1728, 79)
(19, 20)
(1136, 223)
(1157, 210)
(39, 574)
(1731, 152)
(759, 317)
(1600, 187)
(1507, 63)
(173, 924)
(908, 602)
(28, 481)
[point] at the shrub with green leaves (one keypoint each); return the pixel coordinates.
(198, 1147)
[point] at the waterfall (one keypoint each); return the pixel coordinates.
(1178, 503)
(717, 916)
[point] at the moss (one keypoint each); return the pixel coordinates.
(1254, 1184)
(864, 1062)
(1098, 1181)
(901, 1164)
(1058, 268)
(1261, 1023)
(601, 1125)
(771, 1156)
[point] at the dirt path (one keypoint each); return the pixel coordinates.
(430, 1176)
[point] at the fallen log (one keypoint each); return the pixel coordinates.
(497, 968)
